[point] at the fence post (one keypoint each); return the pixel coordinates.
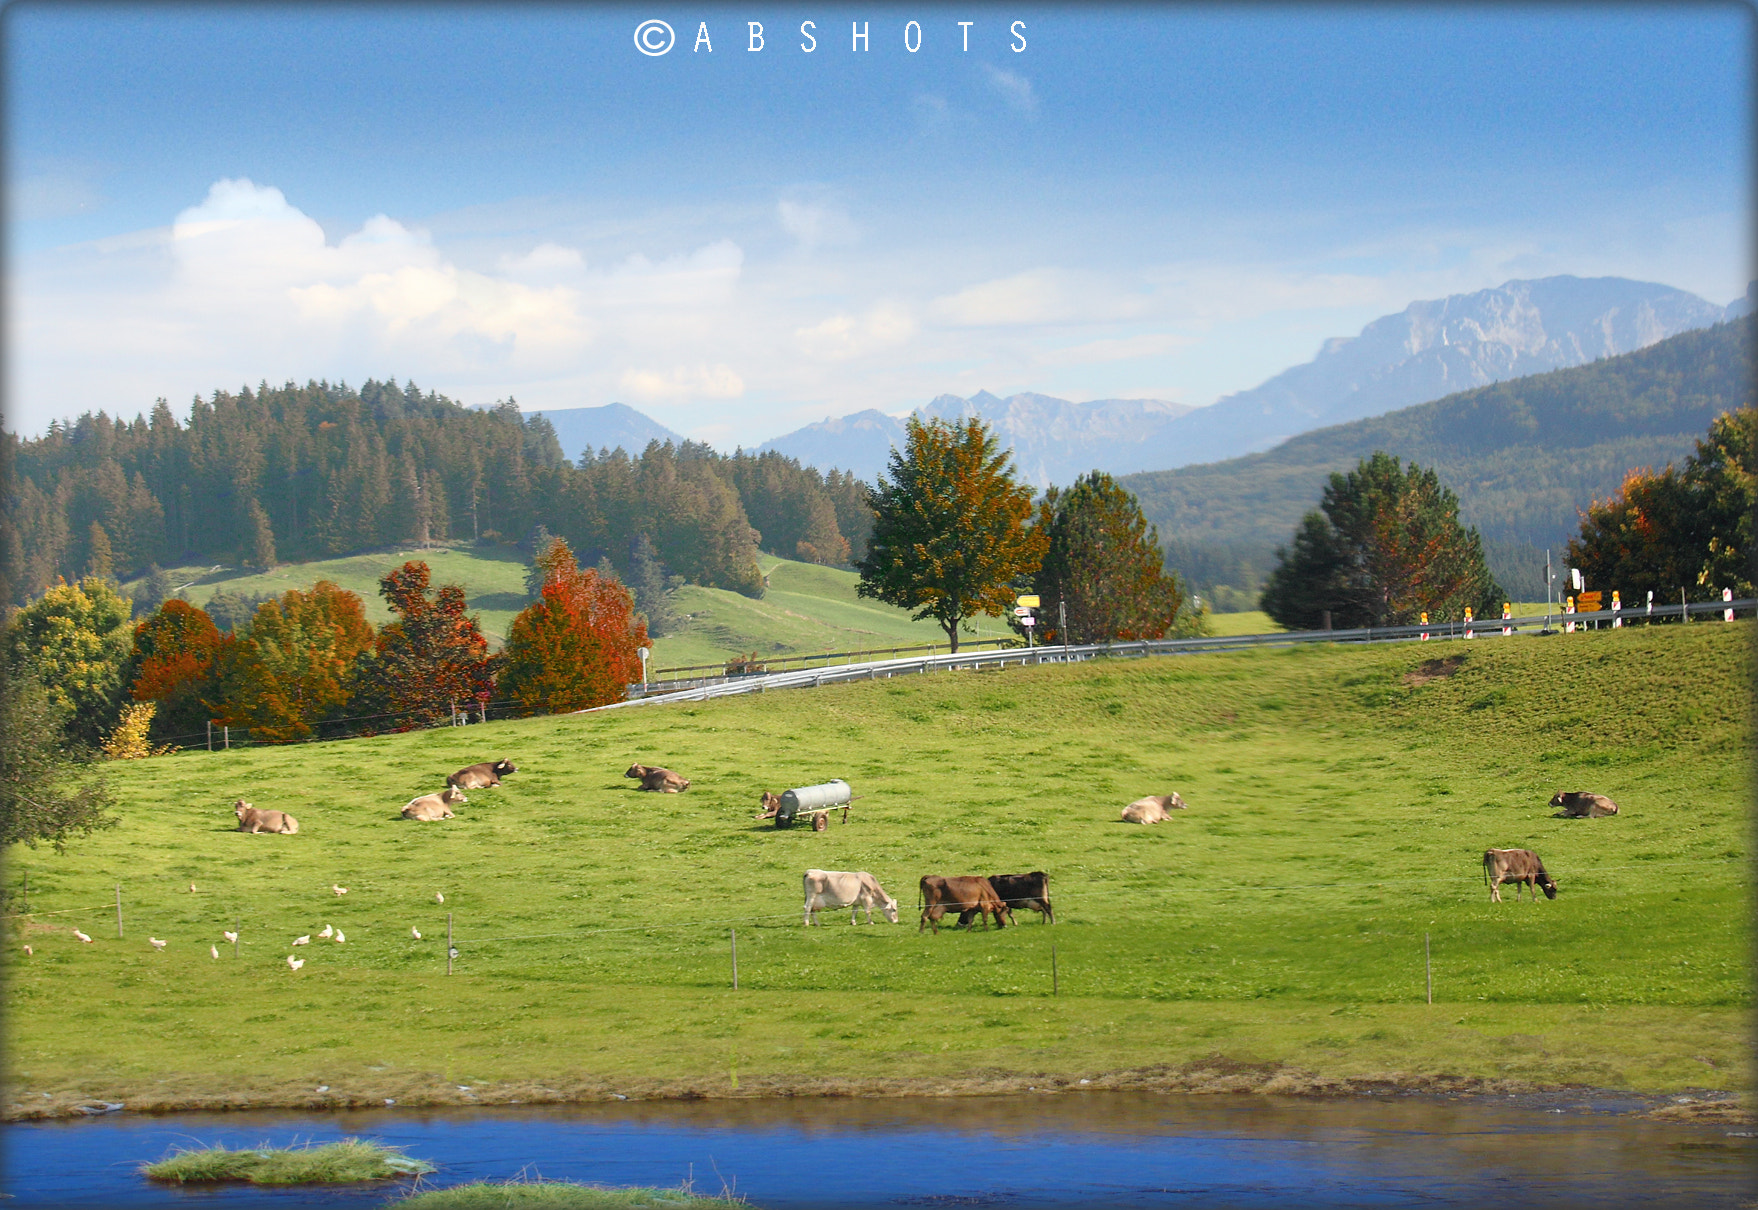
(210, 735)
(1428, 966)
(1054, 988)
(227, 729)
(118, 909)
(735, 958)
(449, 950)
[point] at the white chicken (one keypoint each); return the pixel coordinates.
(295, 963)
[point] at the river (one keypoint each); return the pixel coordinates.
(1089, 1150)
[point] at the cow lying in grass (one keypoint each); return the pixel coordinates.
(480, 777)
(430, 807)
(252, 820)
(654, 778)
(1578, 804)
(1152, 809)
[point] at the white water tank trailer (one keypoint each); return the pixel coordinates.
(812, 800)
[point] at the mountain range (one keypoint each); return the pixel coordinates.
(613, 426)
(1523, 456)
(1428, 350)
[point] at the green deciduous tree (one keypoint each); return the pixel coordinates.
(74, 640)
(1689, 529)
(48, 793)
(1386, 547)
(577, 645)
(1103, 562)
(949, 530)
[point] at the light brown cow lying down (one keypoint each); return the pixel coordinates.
(654, 778)
(1152, 809)
(771, 805)
(252, 820)
(1579, 804)
(434, 806)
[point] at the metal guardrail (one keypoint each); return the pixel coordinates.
(1482, 628)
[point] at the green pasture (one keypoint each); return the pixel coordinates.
(1339, 805)
(807, 610)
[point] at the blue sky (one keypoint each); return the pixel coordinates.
(1146, 201)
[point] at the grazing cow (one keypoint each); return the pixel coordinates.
(855, 890)
(654, 778)
(1578, 804)
(480, 777)
(252, 820)
(969, 894)
(771, 805)
(1518, 866)
(431, 807)
(1025, 890)
(1152, 809)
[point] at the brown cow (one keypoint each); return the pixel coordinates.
(252, 820)
(1152, 809)
(1519, 866)
(970, 894)
(654, 778)
(480, 777)
(1025, 890)
(431, 807)
(1578, 804)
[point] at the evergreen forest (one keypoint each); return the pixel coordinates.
(290, 473)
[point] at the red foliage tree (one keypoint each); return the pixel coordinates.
(576, 646)
(433, 657)
(177, 650)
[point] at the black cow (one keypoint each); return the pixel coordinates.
(1025, 890)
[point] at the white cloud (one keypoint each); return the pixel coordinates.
(843, 336)
(683, 383)
(1014, 88)
(815, 222)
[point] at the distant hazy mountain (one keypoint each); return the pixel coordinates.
(607, 427)
(1428, 350)
(1522, 455)
(1432, 349)
(1052, 440)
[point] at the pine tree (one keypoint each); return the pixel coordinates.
(1386, 547)
(261, 551)
(1103, 564)
(949, 534)
(651, 587)
(101, 562)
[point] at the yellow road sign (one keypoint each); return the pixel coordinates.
(1028, 602)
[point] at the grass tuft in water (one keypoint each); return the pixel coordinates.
(562, 1195)
(331, 1164)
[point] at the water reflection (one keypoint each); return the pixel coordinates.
(1082, 1150)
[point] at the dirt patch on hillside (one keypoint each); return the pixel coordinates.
(1214, 1074)
(1434, 670)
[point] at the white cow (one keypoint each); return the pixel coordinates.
(1152, 809)
(856, 890)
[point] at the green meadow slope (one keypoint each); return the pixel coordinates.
(1339, 804)
(807, 610)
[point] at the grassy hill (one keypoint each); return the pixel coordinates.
(1523, 455)
(808, 609)
(1271, 936)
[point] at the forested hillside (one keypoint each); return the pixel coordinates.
(281, 474)
(1524, 456)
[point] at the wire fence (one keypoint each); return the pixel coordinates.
(974, 660)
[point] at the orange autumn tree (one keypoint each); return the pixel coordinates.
(176, 653)
(294, 665)
(577, 645)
